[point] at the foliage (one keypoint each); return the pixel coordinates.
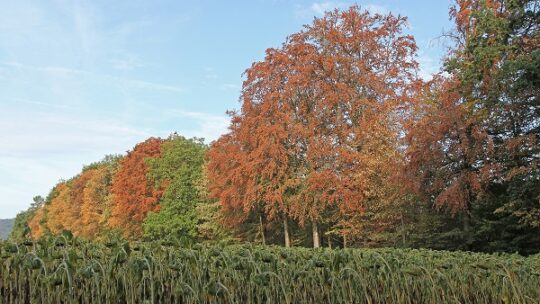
(473, 145)
(133, 194)
(59, 216)
(210, 218)
(178, 170)
(81, 205)
(315, 140)
(97, 201)
(86, 204)
(338, 140)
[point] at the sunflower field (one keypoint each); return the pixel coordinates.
(64, 269)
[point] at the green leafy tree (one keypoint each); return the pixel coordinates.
(20, 228)
(210, 217)
(179, 169)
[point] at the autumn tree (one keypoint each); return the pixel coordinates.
(59, 212)
(475, 136)
(317, 122)
(64, 209)
(94, 198)
(36, 224)
(72, 216)
(39, 222)
(97, 198)
(133, 193)
(499, 65)
(158, 188)
(179, 169)
(80, 205)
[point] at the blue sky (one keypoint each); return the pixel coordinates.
(81, 79)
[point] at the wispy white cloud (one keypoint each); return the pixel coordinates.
(63, 72)
(318, 9)
(39, 148)
(87, 30)
(147, 85)
(376, 9)
(430, 56)
(126, 61)
(229, 86)
(210, 73)
(59, 133)
(428, 66)
(40, 103)
(24, 177)
(206, 125)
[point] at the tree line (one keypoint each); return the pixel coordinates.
(339, 142)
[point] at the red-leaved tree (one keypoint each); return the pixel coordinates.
(133, 194)
(318, 122)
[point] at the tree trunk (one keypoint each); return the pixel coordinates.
(316, 238)
(262, 230)
(329, 242)
(286, 231)
(467, 229)
(344, 241)
(402, 231)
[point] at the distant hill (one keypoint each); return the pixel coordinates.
(5, 227)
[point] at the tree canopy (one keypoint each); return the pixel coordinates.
(338, 142)
(318, 133)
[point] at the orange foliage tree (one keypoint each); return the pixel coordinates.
(73, 215)
(94, 200)
(318, 121)
(59, 214)
(445, 147)
(35, 224)
(62, 209)
(81, 205)
(97, 201)
(133, 194)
